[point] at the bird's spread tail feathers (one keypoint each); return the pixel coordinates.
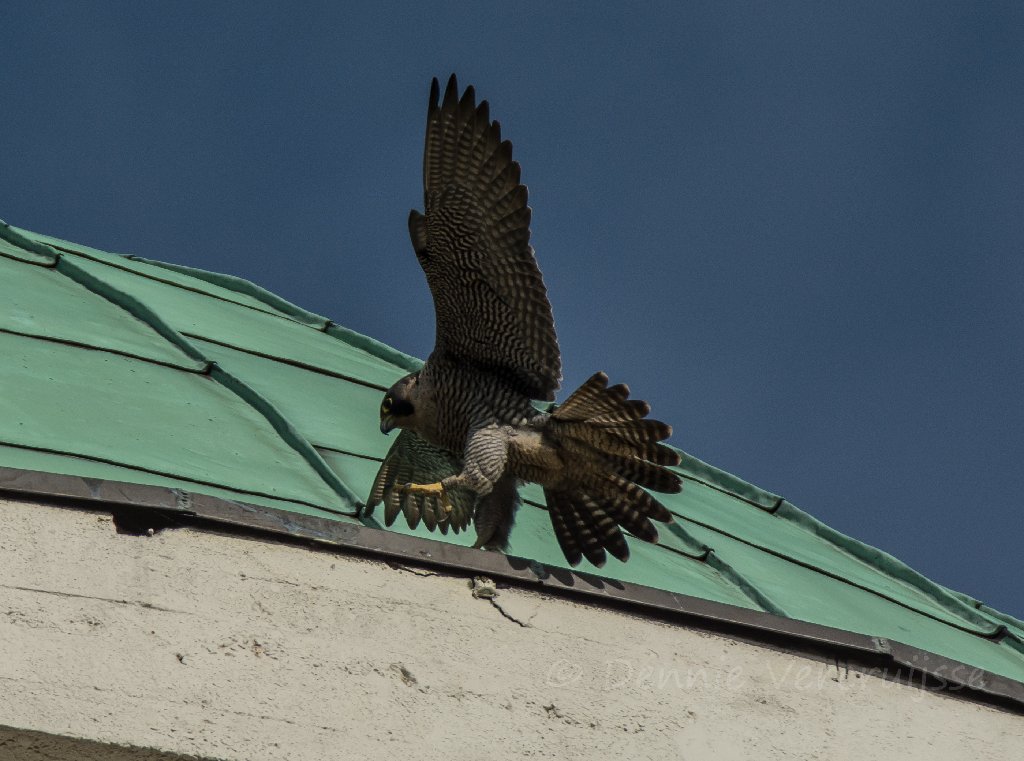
(615, 450)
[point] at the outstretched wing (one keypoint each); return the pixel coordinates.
(413, 460)
(473, 243)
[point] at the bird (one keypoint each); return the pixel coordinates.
(477, 420)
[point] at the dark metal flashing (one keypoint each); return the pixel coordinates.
(881, 657)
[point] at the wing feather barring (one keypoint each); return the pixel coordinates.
(470, 431)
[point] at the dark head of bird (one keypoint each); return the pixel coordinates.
(396, 411)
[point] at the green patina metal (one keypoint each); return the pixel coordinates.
(126, 369)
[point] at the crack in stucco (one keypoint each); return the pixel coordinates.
(506, 614)
(136, 603)
(413, 571)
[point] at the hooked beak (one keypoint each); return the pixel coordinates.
(386, 424)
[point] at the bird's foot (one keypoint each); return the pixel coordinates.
(431, 490)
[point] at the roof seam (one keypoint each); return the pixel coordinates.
(726, 482)
(984, 609)
(373, 347)
(286, 361)
(26, 243)
(199, 370)
(277, 420)
(830, 574)
(675, 550)
(346, 452)
(287, 431)
(291, 312)
(746, 586)
(999, 615)
(165, 474)
(283, 307)
(700, 550)
(245, 287)
(723, 490)
(47, 264)
(1014, 642)
(172, 283)
(131, 305)
(883, 562)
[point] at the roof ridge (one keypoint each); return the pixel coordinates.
(1006, 618)
(723, 481)
(372, 346)
(245, 287)
(977, 604)
(11, 235)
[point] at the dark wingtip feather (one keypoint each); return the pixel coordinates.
(620, 551)
(451, 92)
(435, 93)
(595, 555)
(645, 531)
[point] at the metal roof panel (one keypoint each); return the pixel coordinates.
(287, 418)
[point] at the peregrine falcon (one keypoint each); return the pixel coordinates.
(472, 426)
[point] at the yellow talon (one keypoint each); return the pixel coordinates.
(425, 489)
(432, 490)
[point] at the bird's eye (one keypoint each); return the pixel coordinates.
(385, 406)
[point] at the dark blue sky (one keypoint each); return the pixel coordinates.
(796, 229)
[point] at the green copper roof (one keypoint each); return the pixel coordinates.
(130, 370)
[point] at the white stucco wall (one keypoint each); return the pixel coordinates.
(224, 647)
